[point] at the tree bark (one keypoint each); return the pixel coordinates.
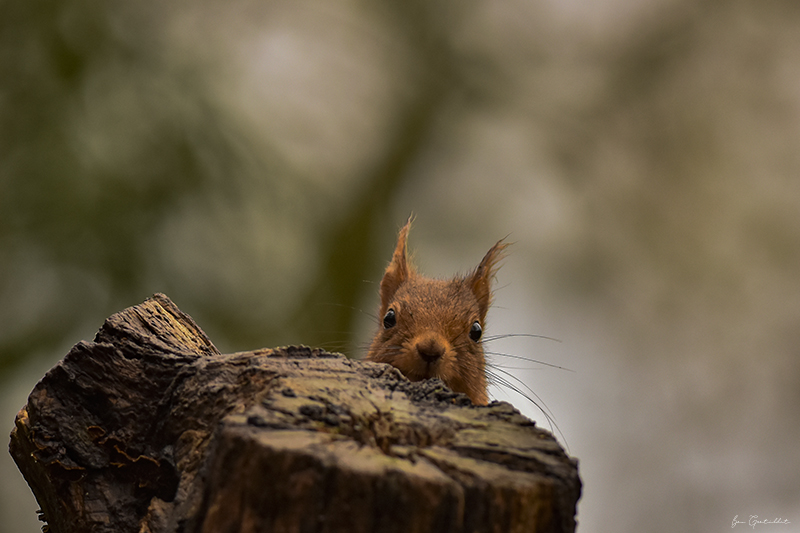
(150, 429)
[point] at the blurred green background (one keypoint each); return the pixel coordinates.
(254, 160)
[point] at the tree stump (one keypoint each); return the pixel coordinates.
(151, 429)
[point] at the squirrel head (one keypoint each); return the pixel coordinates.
(432, 328)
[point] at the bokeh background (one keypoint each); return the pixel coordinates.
(254, 160)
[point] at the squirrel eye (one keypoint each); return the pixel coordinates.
(475, 331)
(389, 319)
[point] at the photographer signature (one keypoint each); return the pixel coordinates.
(755, 520)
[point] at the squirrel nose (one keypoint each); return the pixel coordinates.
(430, 349)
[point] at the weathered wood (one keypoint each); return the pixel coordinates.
(149, 428)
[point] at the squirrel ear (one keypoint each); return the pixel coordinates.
(480, 281)
(399, 269)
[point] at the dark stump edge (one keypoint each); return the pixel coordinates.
(149, 428)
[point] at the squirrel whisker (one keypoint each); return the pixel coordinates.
(530, 360)
(507, 335)
(497, 379)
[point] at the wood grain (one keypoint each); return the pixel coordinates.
(150, 429)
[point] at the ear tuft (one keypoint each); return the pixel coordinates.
(399, 269)
(480, 280)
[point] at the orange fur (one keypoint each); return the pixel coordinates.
(433, 319)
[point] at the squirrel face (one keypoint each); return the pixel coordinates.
(432, 328)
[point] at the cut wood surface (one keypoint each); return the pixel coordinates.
(150, 429)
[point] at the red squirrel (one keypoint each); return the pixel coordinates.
(431, 328)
